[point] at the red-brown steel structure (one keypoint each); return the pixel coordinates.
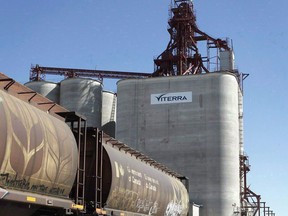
(250, 201)
(38, 73)
(182, 55)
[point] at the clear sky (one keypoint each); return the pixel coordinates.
(127, 35)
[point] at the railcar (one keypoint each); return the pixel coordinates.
(48, 167)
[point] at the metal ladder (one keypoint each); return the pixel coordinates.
(80, 133)
(113, 109)
(80, 183)
(99, 169)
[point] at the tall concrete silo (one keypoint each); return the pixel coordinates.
(50, 90)
(191, 124)
(109, 101)
(83, 96)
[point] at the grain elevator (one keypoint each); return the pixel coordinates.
(187, 114)
(190, 124)
(187, 117)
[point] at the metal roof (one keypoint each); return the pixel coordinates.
(28, 95)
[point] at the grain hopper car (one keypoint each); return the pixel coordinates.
(48, 167)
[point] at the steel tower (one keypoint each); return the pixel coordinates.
(182, 55)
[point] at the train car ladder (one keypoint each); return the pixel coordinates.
(99, 169)
(80, 133)
(80, 184)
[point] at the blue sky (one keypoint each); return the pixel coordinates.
(127, 35)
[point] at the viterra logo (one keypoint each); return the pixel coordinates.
(171, 98)
(166, 98)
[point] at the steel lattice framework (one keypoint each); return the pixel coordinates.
(38, 73)
(182, 55)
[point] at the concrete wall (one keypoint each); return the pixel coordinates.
(109, 101)
(83, 96)
(47, 89)
(198, 136)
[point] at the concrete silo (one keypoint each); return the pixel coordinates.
(50, 90)
(191, 124)
(83, 96)
(109, 101)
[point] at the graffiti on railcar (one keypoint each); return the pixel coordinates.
(13, 181)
